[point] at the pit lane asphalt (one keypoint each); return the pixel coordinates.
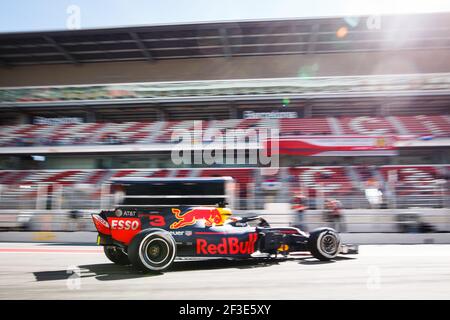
(43, 271)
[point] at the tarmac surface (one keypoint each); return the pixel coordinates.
(59, 271)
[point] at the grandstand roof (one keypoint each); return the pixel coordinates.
(171, 180)
(227, 39)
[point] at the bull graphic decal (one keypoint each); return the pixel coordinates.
(191, 216)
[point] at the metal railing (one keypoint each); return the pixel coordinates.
(84, 196)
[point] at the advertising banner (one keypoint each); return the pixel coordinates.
(337, 146)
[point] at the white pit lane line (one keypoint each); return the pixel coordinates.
(410, 250)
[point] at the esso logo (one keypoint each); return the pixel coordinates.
(123, 224)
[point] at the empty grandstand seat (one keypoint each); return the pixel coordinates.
(412, 179)
(307, 126)
(330, 180)
(426, 125)
(167, 131)
(242, 176)
(366, 126)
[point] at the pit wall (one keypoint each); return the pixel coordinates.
(355, 221)
(367, 220)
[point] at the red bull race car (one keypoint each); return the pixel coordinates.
(151, 238)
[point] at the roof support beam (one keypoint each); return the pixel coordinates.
(225, 42)
(60, 49)
(141, 46)
(313, 38)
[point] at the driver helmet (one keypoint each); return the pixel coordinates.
(225, 213)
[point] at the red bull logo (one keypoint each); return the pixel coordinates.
(190, 217)
(227, 246)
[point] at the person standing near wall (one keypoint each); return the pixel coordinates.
(333, 214)
(299, 206)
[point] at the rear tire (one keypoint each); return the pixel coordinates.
(324, 244)
(152, 250)
(116, 255)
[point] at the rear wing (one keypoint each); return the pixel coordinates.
(168, 192)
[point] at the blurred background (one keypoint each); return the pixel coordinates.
(360, 105)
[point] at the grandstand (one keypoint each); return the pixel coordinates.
(81, 107)
(160, 132)
(344, 182)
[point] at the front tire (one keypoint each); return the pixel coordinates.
(152, 250)
(116, 255)
(324, 244)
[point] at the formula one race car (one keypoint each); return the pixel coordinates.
(150, 238)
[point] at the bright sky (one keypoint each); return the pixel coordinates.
(35, 15)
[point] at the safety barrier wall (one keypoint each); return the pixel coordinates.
(353, 220)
